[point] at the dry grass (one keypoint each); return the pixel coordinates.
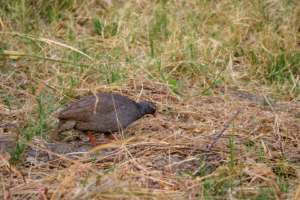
(198, 62)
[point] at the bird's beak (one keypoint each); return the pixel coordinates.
(154, 114)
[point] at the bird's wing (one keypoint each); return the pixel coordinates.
(83, 109)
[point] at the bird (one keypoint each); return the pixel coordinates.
(104, 112)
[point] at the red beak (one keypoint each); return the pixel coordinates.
(154, 115)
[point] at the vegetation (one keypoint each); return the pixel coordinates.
(198, 61)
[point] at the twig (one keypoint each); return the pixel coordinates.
(210, 146)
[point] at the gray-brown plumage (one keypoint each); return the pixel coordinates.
(98, 114)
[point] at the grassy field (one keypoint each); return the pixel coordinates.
(198, 61)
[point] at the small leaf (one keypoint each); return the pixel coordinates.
(172, 81)
(218, 82)
(188, 173)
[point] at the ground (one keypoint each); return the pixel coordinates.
(198, 62)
